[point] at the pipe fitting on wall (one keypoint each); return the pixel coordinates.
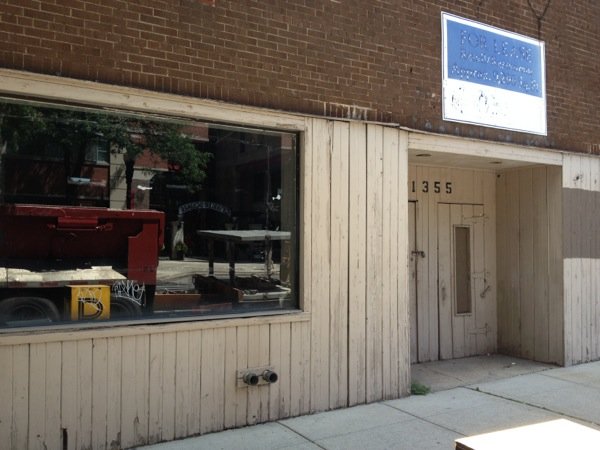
(256, 376)
(250, 378)
(269, 376)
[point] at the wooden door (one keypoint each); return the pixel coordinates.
(466, 315)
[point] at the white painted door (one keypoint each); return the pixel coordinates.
(466, 312)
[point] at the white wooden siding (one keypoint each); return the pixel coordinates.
(529, 264)
(580, 176)
(128, 386)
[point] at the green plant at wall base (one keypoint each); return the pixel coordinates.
(417, 388)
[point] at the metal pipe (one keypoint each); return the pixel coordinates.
(269, 376)
(250, 379)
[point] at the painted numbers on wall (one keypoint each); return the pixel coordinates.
(434, 187)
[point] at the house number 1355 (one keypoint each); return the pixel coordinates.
(436, 187)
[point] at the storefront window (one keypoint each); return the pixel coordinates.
(113, 215)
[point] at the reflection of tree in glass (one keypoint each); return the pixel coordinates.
(37, 131)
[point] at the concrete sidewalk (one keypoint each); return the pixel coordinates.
(469, 397)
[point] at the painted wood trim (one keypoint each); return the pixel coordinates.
(420, 141)
(51, 88)
(133, 329)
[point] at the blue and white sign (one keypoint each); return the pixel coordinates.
(492, 77)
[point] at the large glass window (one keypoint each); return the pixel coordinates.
(116, 215)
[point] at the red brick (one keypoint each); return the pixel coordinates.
(303, 55)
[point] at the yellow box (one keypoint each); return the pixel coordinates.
(90, 302)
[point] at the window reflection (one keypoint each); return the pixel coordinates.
(226, 240)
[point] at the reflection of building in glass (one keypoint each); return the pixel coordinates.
(244, 183)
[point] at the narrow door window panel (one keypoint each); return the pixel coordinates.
(462, 269)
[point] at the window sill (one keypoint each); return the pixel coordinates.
(69, 332)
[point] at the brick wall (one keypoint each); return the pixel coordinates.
(377, 60)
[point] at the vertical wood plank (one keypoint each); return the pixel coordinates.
(229, 413)
(37, 395)
(254, 398)
(478, 177)
(241, 410)
(424, 267)
(413, 311)
(263, 355)
(471, 215)
(275, 356)
(155, 388)
(6, 395)
(586, 233)
(114, 382)
(128, 403)
(69, 398)
(20, 394)
(219, 363)
(567, 176)
(391, 269)
(182, 384)
(576, 264)
(53, 437)
(211, 392)
(594, 262)
(557, 275)
(467, 218)
(481, 312)
(142, 344)
(284, 366)
(320, 222)
(296, 359)
(503, 289)
(300, 370)
(490, 258)
(374, 263)
(99, 392)
(84, 379)
(526, 263)
(200, 376)
(540, 264)
(305, 386)
(513, 300)
(169, 386)
(445, 286)
(357, 274)
(338, 313)
(462, 185)
(403, 281)
(429, 262)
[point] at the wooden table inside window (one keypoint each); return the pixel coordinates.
(235, 237)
